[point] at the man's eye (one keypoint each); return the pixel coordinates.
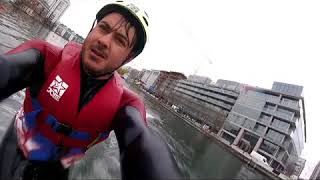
(104, 27)
(121, 42)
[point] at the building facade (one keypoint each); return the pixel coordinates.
(166, 83)
(162, 76)
(66, 33)
(140, 75)
(232, 85)
(132, 75)
(298, 167)
(206, 103)
(149, 79)
(45, 11)
(316, 172)
(199, 79)
(270, 122)
(61, 35)
(154, 81)
(56, 10)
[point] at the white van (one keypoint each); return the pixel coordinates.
(259, 157)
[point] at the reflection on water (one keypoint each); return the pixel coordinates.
(17, 27)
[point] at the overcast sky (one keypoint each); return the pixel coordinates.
(253, 42)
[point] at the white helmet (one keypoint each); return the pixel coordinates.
(130, 10)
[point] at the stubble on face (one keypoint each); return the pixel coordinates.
(108, 45)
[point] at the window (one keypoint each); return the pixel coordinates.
(280, 154)
(66, 35)
(231, 128)
(264, 118)
(246, 111)
(290, 148)
(249, 124)
(239, 120)
(285, 159)
(281, 125)
(259, 129)
(251, 138)
(272, 98)
(269, 107)
(52, 16)
(289, 102)
(228, 137)
(284, 113)
(59, 30)
(275, 136)
(269, 147)
(257, 94)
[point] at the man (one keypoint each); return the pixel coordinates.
(74, 98)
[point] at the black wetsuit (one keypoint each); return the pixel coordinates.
(144, 157)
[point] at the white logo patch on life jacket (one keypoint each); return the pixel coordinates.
(57, 88)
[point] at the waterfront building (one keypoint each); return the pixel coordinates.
(132, 75)
(45, 11)
(206, 103)
(199, 79)
(56, 10)
(270, 122)
(61, 35)
(166, 84)
(316, 172)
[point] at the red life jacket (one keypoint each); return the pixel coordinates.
(50, 127)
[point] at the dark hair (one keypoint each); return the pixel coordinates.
(140, 36)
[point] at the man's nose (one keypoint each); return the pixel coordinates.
(105, 40)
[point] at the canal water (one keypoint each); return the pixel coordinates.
(17, 27)
(197, 156)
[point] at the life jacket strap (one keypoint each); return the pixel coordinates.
(66, 129)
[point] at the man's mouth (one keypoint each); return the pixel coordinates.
(97, 52)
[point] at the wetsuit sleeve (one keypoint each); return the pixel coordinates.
(18, 70)
(24, 66)
(143, 155)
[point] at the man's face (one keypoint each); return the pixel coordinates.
(108, 45)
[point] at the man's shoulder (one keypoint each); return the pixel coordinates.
(72, 49)
(40, 45)
(73, 45)
(128, 95)
(130, 98)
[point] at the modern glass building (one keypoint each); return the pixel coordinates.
(206, 103)
(165, 84)
(270, 122)
(316, 172)
(57, 8)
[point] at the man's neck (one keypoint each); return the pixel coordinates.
(104, 77)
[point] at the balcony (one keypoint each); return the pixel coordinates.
(269, 110)
(259, 129)
(219, 97)
(284, 116)
(282, 130)
(264, 120)
(273, 99)
(293, 105)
